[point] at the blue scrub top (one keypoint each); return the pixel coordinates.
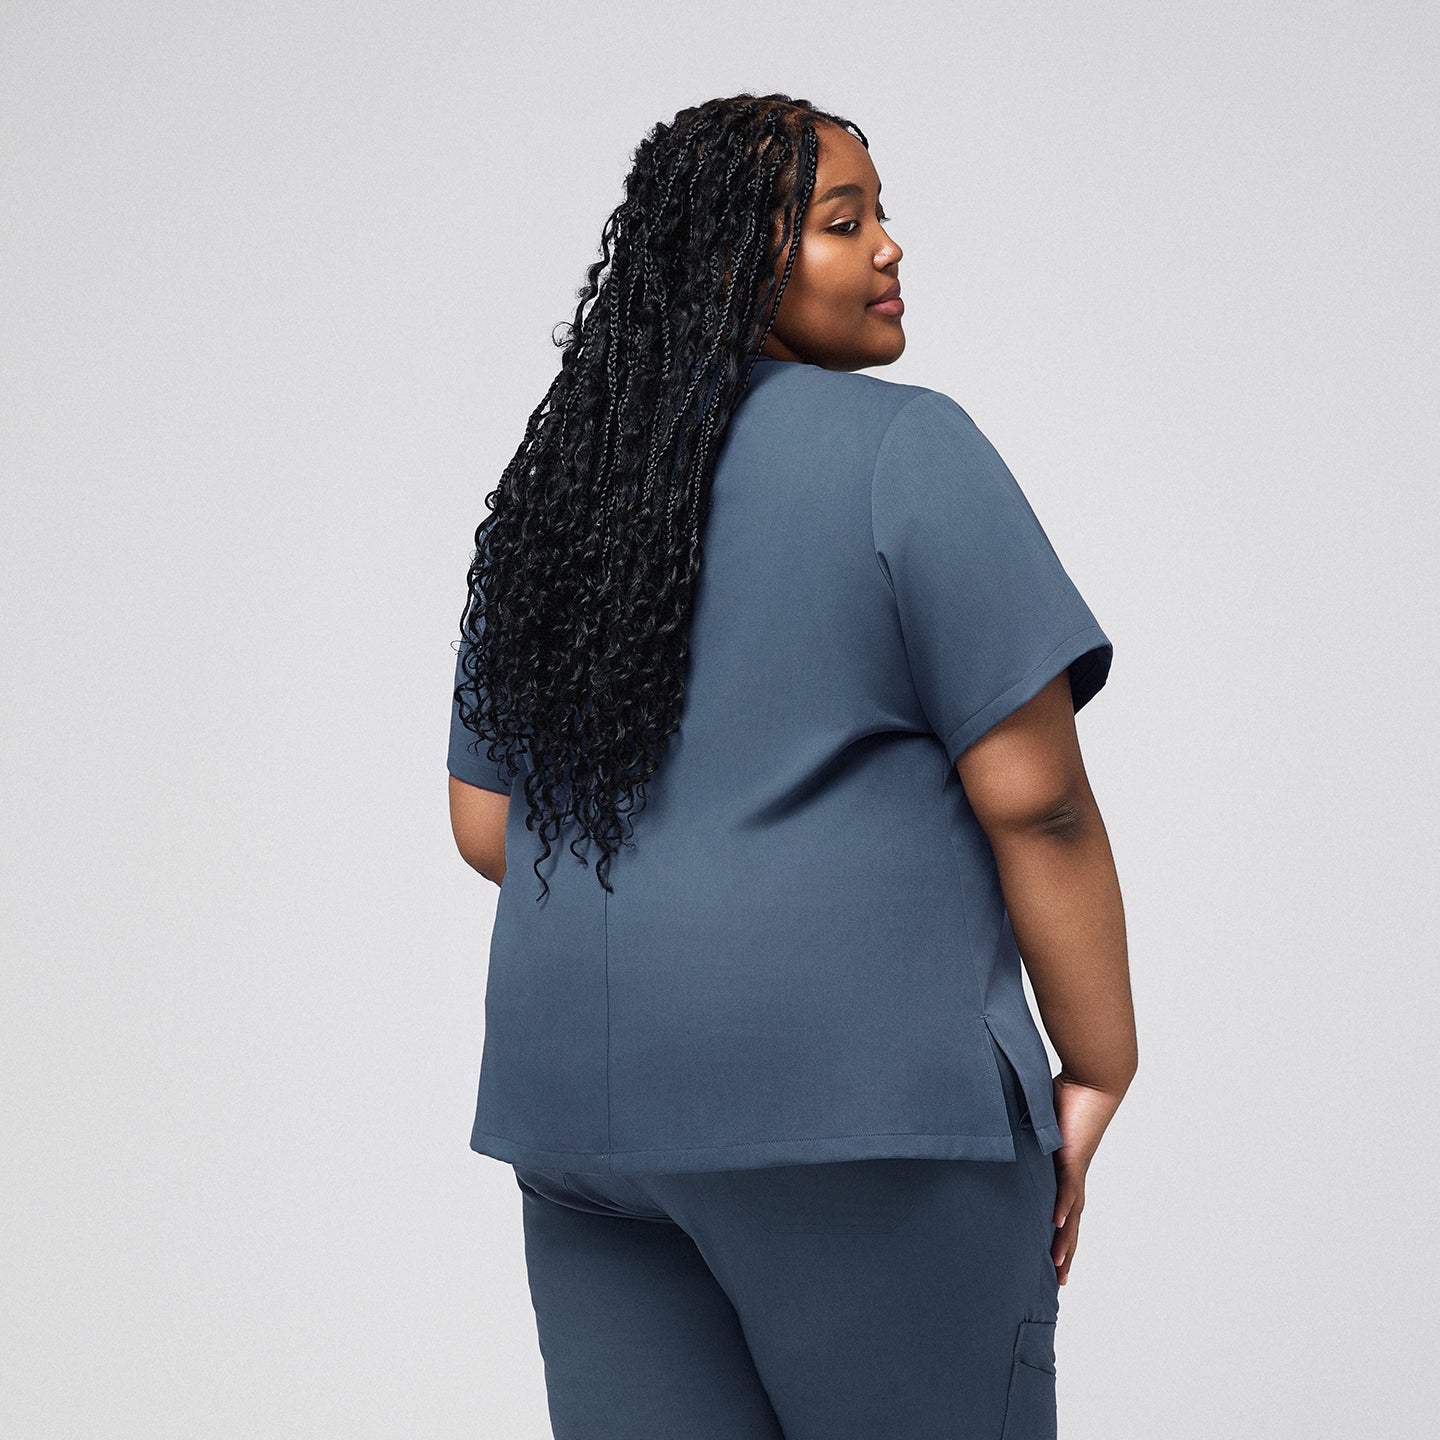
(807, 951)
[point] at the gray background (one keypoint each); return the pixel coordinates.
(278, 284)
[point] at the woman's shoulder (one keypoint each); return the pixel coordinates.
(856, 392)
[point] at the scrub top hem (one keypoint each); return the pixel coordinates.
(756, 1155)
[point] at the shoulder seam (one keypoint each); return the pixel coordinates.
(924, 394)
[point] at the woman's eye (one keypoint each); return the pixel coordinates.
(836, 229)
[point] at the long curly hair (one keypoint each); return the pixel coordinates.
(574, 634)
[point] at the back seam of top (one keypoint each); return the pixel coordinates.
(609, 1088)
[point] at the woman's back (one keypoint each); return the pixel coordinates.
(807, 941)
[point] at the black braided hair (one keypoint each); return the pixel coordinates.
(581, 586)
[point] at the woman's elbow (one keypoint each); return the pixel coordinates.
(478, 819)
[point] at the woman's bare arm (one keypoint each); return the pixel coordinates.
(477, 820)
(1026, 783)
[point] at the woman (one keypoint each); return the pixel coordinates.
(791, 1158)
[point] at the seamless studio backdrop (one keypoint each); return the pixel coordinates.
(279, 283)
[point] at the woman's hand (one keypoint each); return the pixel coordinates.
(1083, 1111)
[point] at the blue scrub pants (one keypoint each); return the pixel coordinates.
(890, 1299)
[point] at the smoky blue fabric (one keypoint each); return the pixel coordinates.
(907, 1298)
(807, 953)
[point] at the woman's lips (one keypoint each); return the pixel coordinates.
(888, 307)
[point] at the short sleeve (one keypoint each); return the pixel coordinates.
(987, 612)
(467, 763)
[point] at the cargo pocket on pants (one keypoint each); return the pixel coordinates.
(1030, 1403)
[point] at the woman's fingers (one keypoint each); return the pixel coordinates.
(1069, 1202)
(1067, 1191)
(1083, 1111)
(1062, 1252)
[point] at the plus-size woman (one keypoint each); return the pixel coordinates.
(764, 723)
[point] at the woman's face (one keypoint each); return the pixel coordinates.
(828, 314)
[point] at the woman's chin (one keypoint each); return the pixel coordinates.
(889, 353)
